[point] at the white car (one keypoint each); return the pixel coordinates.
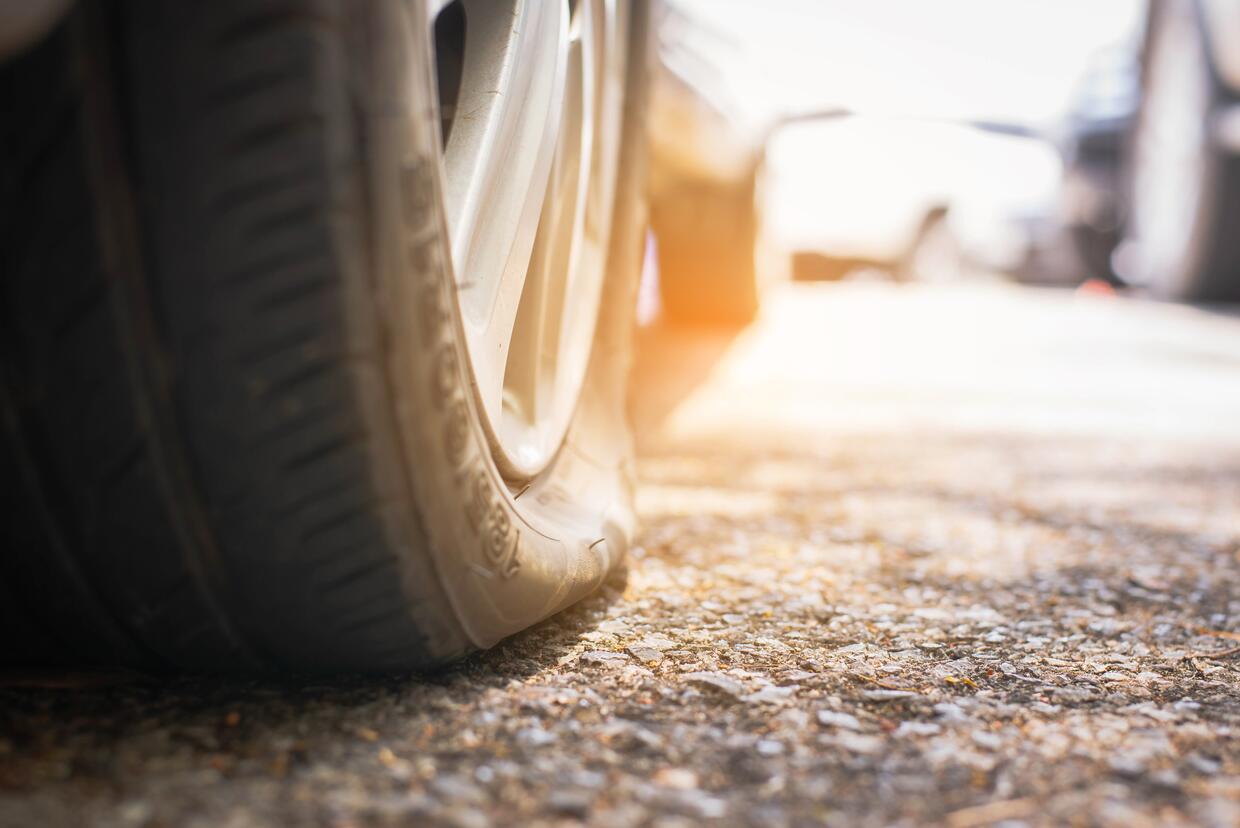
(908, 196)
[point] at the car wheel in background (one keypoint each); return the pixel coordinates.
(302, 371)
(1185, 189)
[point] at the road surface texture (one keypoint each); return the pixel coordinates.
(961, 556)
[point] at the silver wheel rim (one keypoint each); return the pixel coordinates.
(529, 167)
(1171, 148)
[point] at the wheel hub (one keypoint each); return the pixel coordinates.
(529, 170)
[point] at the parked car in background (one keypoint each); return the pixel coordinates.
(918, 200)
(1183, 174)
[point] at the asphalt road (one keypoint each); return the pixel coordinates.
(955, 556)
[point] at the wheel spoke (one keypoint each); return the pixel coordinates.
(535, 337)
(498, 162)
(530, 168)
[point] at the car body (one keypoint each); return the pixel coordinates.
(705, 158)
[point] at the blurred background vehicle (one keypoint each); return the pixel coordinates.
(971, 153)
(1184, 168)
(1093, 141)
(918, 200)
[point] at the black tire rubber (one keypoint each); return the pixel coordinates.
(1094, 248)
(706, 233)
(1209, 272)
(205, 459)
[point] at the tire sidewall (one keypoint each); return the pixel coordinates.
(1189, 277)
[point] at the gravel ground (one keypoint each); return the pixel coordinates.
(959, 557)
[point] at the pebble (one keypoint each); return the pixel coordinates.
(1203, 764)
(1072, 695)
(1127, 766)
(769, 747)
(678, 778)
(860, 743)
(772, 695)
(889, 695)
(574, 803)
(795, 676)
(832, 718)
(536, 737)
(715, 683)
(986, 739)
(918, 729)
(951, 712)
(458, 789)
(646, 655)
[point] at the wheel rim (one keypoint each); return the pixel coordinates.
(1170, 149)
(531, 129)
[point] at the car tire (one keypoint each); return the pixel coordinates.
(1185, 189)
(244, 429)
